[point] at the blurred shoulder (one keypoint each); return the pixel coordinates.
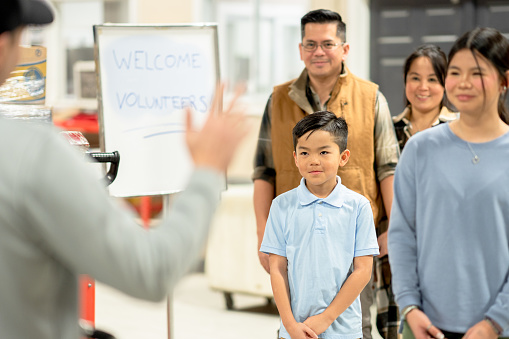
(14, 132)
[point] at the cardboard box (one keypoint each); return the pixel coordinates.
(27, 83)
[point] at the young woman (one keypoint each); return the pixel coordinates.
(449, 233)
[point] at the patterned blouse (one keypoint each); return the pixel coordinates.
(402, 124)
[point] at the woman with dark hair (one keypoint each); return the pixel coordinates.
(424, 77)
(449, 232)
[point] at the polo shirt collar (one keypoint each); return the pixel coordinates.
(306, 197)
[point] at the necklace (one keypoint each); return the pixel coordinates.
(475, 158)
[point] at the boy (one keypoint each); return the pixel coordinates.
(320, 238)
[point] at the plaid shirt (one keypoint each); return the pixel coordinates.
(386, 144)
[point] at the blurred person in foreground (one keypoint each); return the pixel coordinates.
(57, 221)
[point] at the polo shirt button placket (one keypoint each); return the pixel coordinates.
(320, 226)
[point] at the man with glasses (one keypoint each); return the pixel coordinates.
(327, 84)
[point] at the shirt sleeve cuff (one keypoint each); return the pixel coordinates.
(501, 318)
(272, 250)
(408, 299)
(369, 251)
(386, 171)
(209, 173)
(264, 173)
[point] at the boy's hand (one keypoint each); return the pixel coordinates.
(301, 331)
(318, 323)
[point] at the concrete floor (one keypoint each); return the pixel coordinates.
(196, 312)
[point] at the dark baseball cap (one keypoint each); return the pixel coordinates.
(15, 13)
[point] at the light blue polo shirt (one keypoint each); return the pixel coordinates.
(320, 237)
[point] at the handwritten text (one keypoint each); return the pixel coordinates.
(143, 60)
(163, 102)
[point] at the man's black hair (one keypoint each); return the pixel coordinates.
(324, 16)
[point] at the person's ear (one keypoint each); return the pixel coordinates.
(345, 155)
(301, 51)
(5, 41)
(295, 158)
(346, 49)
(504, 89)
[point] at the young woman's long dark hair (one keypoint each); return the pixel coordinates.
(493, 46)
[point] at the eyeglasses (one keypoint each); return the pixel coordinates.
(311, 46)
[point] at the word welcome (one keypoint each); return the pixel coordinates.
(143, 60)
(162, 102)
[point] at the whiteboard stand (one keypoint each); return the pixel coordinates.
(147, 75)
(167, 201)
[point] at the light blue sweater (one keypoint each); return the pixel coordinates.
(449, 231)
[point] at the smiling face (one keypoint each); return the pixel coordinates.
(474, 87)
(323, 63)
(423, 89)
(318, 158)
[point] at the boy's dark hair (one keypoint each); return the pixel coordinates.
(16, 13)
(493, 46)
(324, 16)
(323, 121)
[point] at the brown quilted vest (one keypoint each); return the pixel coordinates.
(353, 99)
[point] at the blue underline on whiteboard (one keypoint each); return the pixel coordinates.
(162, 133)
(158, 125)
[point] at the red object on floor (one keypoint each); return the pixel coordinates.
(87, 285)
(82, 122)
(87, 299)
(145, 211)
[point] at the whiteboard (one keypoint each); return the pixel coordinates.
(147, 75)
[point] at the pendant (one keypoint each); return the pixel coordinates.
(475, 160)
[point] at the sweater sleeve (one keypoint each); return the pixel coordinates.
(499, 311)
(74, 220)
(402, 243)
